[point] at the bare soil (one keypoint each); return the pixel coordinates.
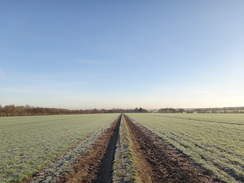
(96, 165)
(159, 162)
(155, 160)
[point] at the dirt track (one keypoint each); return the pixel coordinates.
(96, 165)
(155, 161)
(158, 162)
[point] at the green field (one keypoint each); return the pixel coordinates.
(28, 143)
(215, 141)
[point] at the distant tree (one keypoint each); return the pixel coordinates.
(94, 111)
(181, 110)
(139, 110)
(43, 111)
(1, 111)
(20, 110)
(9, 110)
(167, 110)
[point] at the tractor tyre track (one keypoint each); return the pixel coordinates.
(96, 165)
(158, 162)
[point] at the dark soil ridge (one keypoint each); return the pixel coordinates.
(161, 162)
(63, 167)
(106, 168)
(96, 165)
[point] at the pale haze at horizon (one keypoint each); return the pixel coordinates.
(122, 54)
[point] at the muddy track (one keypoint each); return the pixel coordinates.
(105, 170)
(96, 165)
(154, 160)
(160, 162)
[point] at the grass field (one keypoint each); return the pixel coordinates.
(123, 163)
(28, 143)
(215, 141)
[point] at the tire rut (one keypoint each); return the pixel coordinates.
(161, 162)
(155, 160)
(106, 168)
(96, 165)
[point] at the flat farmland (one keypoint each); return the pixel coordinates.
(213, 141)
(134, 147)
(29, 143)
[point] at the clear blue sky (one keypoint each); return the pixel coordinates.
(122, 54)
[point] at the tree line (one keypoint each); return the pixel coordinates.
(12, 110)
(203, 110)
(170, 110)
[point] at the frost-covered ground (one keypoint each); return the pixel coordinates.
(29, 143)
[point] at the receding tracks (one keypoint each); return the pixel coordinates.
(96, 166)
(161, 162)
(106, 168)
(154, 160)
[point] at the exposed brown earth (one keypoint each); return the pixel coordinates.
(96, 165)
(155, 160)
(158, 162)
